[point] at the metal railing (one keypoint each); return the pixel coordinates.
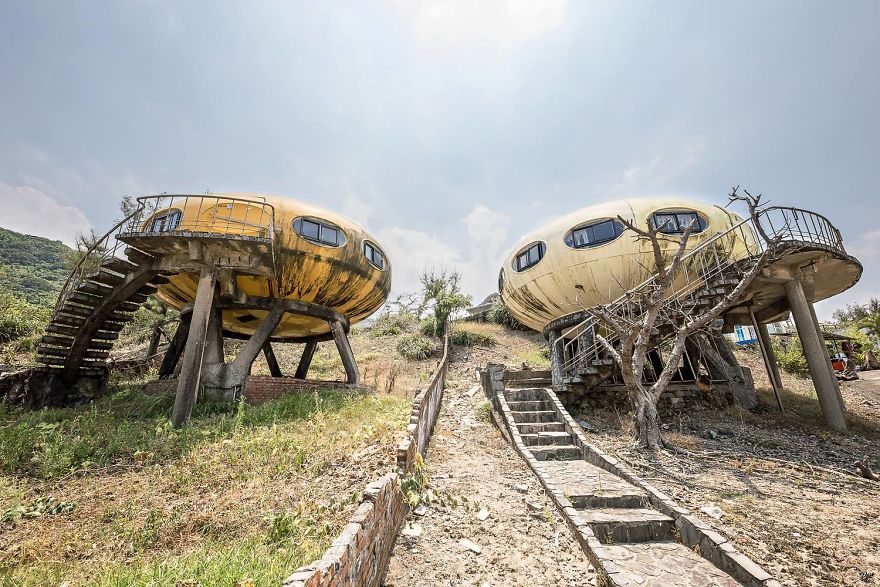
(196, 215)
(711, 260)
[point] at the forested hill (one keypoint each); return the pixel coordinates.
(32, 267)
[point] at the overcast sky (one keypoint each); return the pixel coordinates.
(449, 129)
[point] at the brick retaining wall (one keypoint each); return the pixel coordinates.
(359, 555)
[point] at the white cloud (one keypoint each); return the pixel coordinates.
(658, 171)
(29, 210)
(450, 23)
(357, 209)
(477, 259)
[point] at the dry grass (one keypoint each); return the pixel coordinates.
(243, 493)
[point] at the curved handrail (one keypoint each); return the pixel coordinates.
(65, 290)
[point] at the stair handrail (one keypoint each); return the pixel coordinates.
(76, 271)
(824, 233)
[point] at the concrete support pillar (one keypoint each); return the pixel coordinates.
(585, 343)
(175, 349)
(769, 358)
(214, 338)
(827, 356)
(352, 375)
(817, 359)
(191, 368)
(305, 361)
(274, 368)
(240, 366)
(557, 374)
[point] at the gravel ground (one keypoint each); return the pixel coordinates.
(522, 542)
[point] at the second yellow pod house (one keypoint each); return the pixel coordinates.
(586, 258)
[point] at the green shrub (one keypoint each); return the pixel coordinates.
(790, 356)
(500, 314)
(463, 337)
(429, 328)
(392, 324)
(417, 347)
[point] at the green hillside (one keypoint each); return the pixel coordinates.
(32, 266)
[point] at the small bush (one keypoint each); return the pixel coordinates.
(790, 357)
(392, 325)
(429, 328)
(500, 314)
(417, 347)
(463, 337)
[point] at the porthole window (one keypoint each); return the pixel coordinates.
(594, 233)
(320, 232)
(374, 255)
(676, 221)
(529, 256)
(501, 281)
(166, 221)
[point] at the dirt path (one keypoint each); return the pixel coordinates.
(522, 542)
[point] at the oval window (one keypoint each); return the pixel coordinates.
(529, 256)
(318, 231)
(374, 255)
(594, 233)
(676, 221)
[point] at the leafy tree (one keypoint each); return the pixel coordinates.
(857, 312)
(442, 295)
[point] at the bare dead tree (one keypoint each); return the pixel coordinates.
(658, 302)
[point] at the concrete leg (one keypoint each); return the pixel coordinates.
(814, 350)
(274, 368)
(214, 338)
(769, 358)
(175, 349)
(352, 376)
(191, 369)
(827, 356)
(242, 363)
(302, 370)
(557, 374)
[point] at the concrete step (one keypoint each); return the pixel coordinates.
(534, 416)
(546, 438)
(619, 525)
(537, 427)
(529, 383)
(660, 564)
(530, 405)
(120, 266)
(588, 486)
(525, 394)
(562, 452)
(520, 375)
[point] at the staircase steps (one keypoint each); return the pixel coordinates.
(534, 416)
(81, 332)
(638, 542)
(558, 452)
(539, 427)
(546, 438)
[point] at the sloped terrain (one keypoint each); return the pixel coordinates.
(780, 486)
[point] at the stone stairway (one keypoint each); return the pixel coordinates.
(629, 540)
(92, 312)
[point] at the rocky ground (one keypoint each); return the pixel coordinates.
(780, 486)
(523, 541)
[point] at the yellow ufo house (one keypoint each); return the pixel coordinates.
(588, 258)
(260, 268)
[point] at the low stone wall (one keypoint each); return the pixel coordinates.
(359, 555)
(258, 388)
